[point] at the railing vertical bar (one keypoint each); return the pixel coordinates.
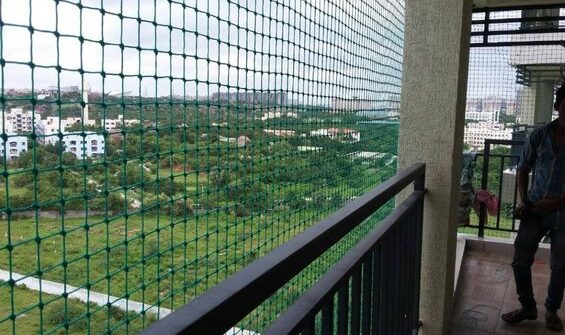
(484, 185)
(515, 200)
(403, 312)
(418, 263)
(410, 270)
(500, 182)
(487, 26)
(387, 295)
(343, 308)
(328, 317)
(356, 302)
(366, 307)
(377, 282)
(310, 328)
(397, 267)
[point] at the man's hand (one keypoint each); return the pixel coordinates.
(519, 212)
(547, 205)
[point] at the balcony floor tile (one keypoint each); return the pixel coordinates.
(486, 290)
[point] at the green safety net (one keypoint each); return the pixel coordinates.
(150, 149)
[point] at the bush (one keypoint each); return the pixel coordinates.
(171, 188)
(73, 313)
(21, 200)
(182, 207)
(219, 177)
(23, 180)
(241, 211)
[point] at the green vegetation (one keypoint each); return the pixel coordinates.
(176, 204)
(60, 316)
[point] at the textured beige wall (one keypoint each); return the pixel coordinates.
(436, 56)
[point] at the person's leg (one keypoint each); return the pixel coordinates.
(557, 281)
(530, 233)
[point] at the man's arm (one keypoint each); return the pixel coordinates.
(527, 162)
(523, 178)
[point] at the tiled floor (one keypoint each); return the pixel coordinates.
(486, 290)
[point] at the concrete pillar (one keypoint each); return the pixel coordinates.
(544, 102)
(527, 103)
(434, 87)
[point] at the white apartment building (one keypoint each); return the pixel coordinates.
(484, 116)
(15, 145)
(92, 145)
(344, 135)
(52, 124)
(113, 124)
(476, 133)
(280, 132)
(18, 121)
(5, 125)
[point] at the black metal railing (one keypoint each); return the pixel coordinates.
(504, 188)
(491, 28)
(376, 283)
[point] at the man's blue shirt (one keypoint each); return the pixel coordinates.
(541, 155)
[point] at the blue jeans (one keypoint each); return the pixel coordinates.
(532, 230)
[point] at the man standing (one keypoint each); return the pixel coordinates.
(542, 211)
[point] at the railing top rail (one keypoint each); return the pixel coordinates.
(217, 310)
(308, 304)
(503, 142)
(498, 155)
(509, 8)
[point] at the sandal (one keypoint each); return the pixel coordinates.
(519, 315)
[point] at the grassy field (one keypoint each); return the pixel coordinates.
(155, 260)
(81, 318)
(118, 255)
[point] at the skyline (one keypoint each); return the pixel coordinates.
(165, 48)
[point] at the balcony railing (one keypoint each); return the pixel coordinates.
(373, 289)
(498, 176)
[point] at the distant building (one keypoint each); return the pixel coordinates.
(18, 121)
(113, 124)
(274, 113)
(91, 145)
(13, 147)
(484, 116)
(54, 90)
(280, 132)
(253, 97)
(52, 124)
(70, 121)
(342, 134)
(351, 105)
(476, 133)
(489, 109)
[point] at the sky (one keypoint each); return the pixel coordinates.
(325, 48)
